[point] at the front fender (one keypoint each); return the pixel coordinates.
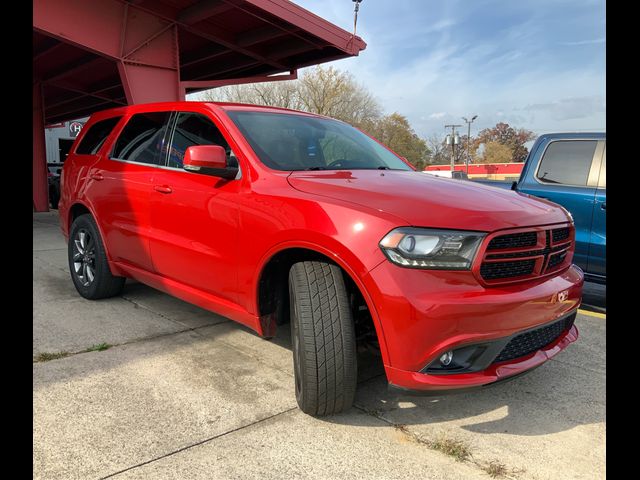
(344, 258)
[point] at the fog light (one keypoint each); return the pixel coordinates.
(446, 358)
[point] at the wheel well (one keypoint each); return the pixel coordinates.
(75, 211)
(273, 293)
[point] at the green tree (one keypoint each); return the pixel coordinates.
(508, 136)
(395, 131)
(495, 152)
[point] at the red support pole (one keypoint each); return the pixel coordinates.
(40, 184)
(150, 72)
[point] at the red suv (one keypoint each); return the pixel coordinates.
(266, 215)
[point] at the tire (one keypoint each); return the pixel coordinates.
(323, 338)
(88, 261)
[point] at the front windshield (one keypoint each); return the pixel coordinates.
(296, 142)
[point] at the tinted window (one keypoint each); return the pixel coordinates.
(567, 162)
(96, 135)
(297, 142)
(142, 137)
(194, 129)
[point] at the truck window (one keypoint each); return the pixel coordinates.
(96, 135)
(141, 139)
(194, 129)
(285, 141)
(567, 162)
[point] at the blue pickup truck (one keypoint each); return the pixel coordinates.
(571, 169)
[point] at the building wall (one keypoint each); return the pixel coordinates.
(53, 133)
(490, 171)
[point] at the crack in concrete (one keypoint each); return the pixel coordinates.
(162, 315)
(129, 342)
(483, 466)
(195, 444)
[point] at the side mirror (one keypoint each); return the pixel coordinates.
(208, 160)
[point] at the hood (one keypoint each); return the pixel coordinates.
(427, 201)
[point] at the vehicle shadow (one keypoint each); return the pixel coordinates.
(557, 396)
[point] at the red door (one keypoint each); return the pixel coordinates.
(194, 216)
(121, 186)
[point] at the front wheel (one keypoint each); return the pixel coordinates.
(323, 338)
(88, 261)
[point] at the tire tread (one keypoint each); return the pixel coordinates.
(327, 336)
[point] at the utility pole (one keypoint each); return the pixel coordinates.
(453, 140)
(469, 122)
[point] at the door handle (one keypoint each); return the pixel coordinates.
(603, 206)
(96, 176)
(162, 188)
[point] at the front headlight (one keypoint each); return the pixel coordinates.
(431, 249)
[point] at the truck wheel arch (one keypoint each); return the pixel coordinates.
(272, 272)
(78, 208)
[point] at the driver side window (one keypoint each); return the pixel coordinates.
(195, 129)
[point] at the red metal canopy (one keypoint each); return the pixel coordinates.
(103, 53)
(92, 55)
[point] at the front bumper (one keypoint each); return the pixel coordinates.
(423, 313)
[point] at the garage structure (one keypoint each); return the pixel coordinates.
(89, 56)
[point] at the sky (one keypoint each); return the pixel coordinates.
(535, 64)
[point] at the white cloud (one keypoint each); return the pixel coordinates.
(435, 71)
(440, 25)
(595, 41)
(570, 108)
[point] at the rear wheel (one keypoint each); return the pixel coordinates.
(88, 261)
(323, 338)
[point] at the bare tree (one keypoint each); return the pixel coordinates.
(322, 90)
(327, 91)
(439, 151)
(276, 94)
(336, 94)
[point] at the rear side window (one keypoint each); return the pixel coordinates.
(96, 135)
(142, 138)
(193, 129)
(567, 162)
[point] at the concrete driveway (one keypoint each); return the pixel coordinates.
(167, 390)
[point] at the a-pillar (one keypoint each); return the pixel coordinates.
(40, 183)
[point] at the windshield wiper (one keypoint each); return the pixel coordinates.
(384, 168)
(315, 168)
